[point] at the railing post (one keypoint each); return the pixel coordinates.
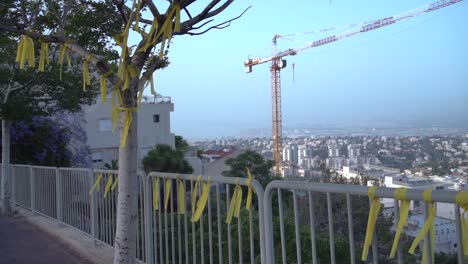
(94, 209)
(269, 247)
(58, 196)
(148, 219)
(13, 187)
(33, 189)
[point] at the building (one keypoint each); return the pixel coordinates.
(336, 163)
(291, 154)
(354, 151)
(154, 127)
(333, 150)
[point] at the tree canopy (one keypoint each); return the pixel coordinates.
(258, 166)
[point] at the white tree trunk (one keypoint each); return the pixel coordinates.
(6, 186)
(127, 214)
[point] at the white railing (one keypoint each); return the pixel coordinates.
(309, 193)
(259, 235)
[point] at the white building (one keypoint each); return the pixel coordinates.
(354, 151)
(153, 128)
(291, 154)
(333, 150)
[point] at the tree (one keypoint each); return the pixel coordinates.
(258, 166)
(164, 159)
(23, 97)
(88, 29)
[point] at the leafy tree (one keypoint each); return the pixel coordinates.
(91, 30)
(114, 165)
(40, 142)
(29, 93)
(258, 166)
(164, 159)
(180, 144)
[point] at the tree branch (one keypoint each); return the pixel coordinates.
(154, 10)
(222, 25)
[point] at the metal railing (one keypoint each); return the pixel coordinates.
(173, 238)
(289, 222)
(308, 193)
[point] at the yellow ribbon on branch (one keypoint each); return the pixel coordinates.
(25, 52)
(109, 184)
(400, 194)
(181, 197)
(234, 207)
(156, 193)
(127, 122)
(248, 203)
(115, 183)
(461, 199)
(62, 50)
(201, 204)
(86, 76)
(373, 213)
(96, 183)
(44, 57)
(427, 227)
(167, 193)
(103, 86)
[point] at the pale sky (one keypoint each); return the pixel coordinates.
(416, 69)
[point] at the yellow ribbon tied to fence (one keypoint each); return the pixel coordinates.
(195, 193)
(44, 56)
(156, 193)
(234, 207)
(115, 183)
(103, 85)
(400, 194)
(167, 193)
(96, 183)
(181, 196)
(25, 52)
(248, 203)
(86, 75)
(201, 204)
(462, 200)
(427, 227)
(109, 184)
(373, 213)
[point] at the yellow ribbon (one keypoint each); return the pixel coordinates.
(115, 183)
(25, 52)
(461, 199)
(181, 197)
(248, 203)
(126, 126)
(167, 193)
(108, 185)
(44, 57)
(373, 213)
(428, 226)
(122, 38)
(116, 101)
(234, 207)
(400, 194)
(153, 92)
(201, 204)
(62, 50)
(96, 183)
(86, 76)
(156, 193)
(195, 193)
(125, 73)
(103, 82)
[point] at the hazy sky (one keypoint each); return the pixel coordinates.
(413, 70)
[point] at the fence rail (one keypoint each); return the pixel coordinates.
(285, 224)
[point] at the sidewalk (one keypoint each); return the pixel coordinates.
(23, 243)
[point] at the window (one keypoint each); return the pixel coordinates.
(97, 157)
(155, 118)
(105, 125)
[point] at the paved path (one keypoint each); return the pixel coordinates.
(23, 243)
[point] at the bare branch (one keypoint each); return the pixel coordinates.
(206, 22)
(222, 25)
(23, 13)
(188, 13)
(154, 10)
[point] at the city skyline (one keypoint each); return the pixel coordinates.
(413, 70)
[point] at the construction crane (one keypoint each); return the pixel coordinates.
(278, 63)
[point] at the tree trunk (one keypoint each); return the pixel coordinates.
(6, 186)
(127, 211)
